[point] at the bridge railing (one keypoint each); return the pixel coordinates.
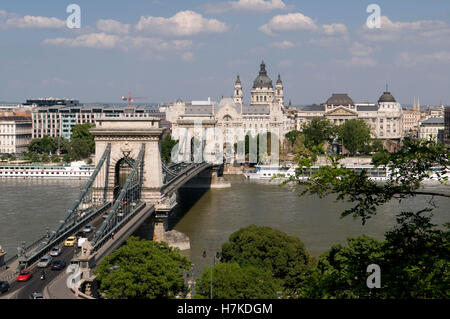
(81, 213)
(127, 202)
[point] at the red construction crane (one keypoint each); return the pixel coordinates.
(131, 99)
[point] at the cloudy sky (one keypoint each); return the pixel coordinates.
(169, 49)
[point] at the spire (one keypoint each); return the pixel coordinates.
(262, 70)
(279, 79)
(238, 80)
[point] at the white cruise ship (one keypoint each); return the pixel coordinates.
(380, 174)
(76, 170)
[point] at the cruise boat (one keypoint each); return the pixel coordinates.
(76, 170)
(284, 172)
(379, 174)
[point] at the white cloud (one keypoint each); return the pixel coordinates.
(245, 5)
(91, 40)
(283, 45)
(125, 43)
(11, 21)
(288, 22)
(112, 26)
(334, 29)
(184, 23)
(360, 50)
(428, 30)
(406, 59)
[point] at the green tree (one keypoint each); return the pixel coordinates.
(55, 159)
(142, 269)
(231, 281)
(45, 158)
(79, 149)
(413, 258)
(318, 131)
(167, 144)
(81, 132)
(292, 136)
(266, 248)
(355, 134)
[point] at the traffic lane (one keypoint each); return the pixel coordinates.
(35, 284)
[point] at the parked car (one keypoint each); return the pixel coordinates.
(55, 251)
(36, 295)
(4, 286)
(25, 275)
(87, 229)
(70, 242)
(44, 261)
(58, 264)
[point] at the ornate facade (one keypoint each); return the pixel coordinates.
(265, 112)
(384, 118)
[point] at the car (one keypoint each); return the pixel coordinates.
(87, 229)
(70, 242)
(81, 241)
(25, 275)
(58, 264)
(44, 261)
(36, 295)
(4, 286)
(55, 251)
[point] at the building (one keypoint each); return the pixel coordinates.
(15, 134)
(447, 125)
(385, 118)
(59, 120)
(432, 128)
(51, 101)
(411, 119)
(265, 112)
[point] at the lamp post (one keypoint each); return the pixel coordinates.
(213, 263)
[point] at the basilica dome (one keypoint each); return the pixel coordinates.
(262, 80)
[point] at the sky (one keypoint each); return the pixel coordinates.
(194, 49)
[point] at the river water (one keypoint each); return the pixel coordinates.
(208, 217)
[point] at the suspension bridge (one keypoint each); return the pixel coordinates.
(129, 184)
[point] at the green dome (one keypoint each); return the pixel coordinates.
(262, 80)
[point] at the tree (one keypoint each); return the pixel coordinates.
(318, 131)
(266, 248)
(55, 159)
(79, 149)
(412, 164)
(413, 258)
(292, 136)
(231, 281)
(81, 132)
(355, 134)
(46, 145)
(142, 269)
(167, 144)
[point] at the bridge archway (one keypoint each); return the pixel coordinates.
(126, 137)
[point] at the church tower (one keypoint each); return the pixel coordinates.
(238, 91)
(279, 94)
(262, 92)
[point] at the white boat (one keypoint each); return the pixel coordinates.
(76, 170)
(378, 174)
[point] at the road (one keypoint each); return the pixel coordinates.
(23, 290)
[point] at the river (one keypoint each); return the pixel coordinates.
(208, 217)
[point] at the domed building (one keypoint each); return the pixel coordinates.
(235, 119)
(384, 118)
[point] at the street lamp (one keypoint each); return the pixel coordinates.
(213, 262)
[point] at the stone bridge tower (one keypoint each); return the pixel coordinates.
(126, 137)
